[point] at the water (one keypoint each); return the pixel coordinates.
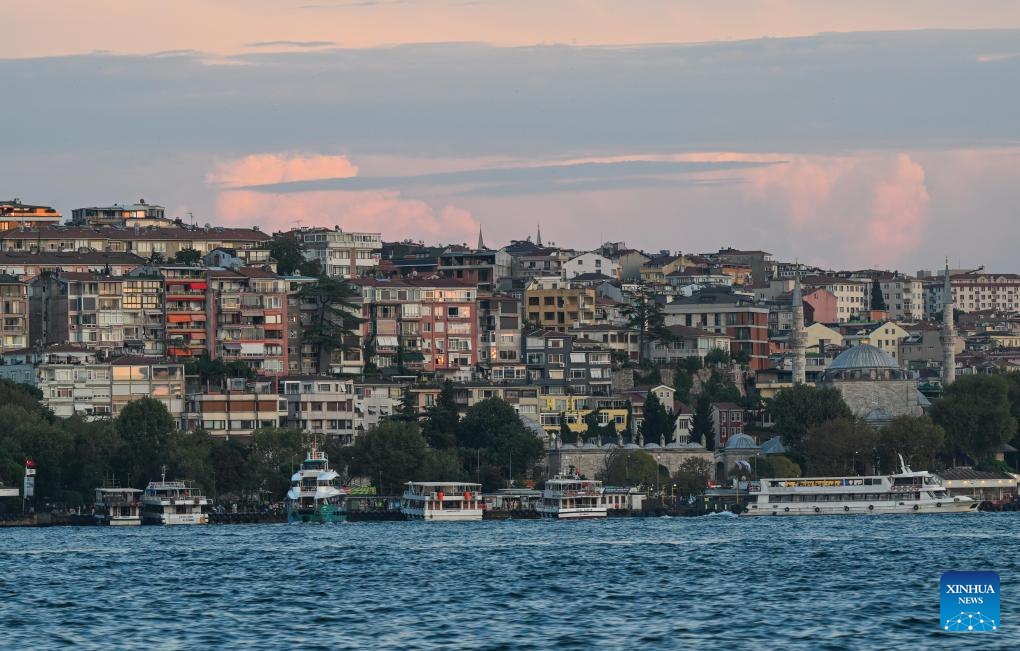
(710, 582)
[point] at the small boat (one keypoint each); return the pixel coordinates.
(572, 498)
(904, 492)
(314, 495)
(117, 506)
(174, 502)
(437, 500)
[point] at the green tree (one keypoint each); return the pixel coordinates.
(692, 477)
(275, 453)
(229, 461)
(494, 429)
(774, 466)
(567, 435)
(796, 409)
(877, 299)
(407, 411)
(645, 315)
(94, 446)
(719, 390)
(440, 425)
(1013, 393)
(717, 356)
(630, 468)
(146, 428)
(333, 320)
(658, 422)
(187, 256)
(391, 453)
(843, 446)
(683, 382)
(214, 371)
(701, 423)
(444, 465)
(975, 413)
(290, 258)
(917, 438)
(191, 458)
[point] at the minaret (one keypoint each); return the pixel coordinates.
(948, 333)
(481, 243)
(538, 237)
(798, 336)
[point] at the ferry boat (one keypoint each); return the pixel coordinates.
(904, 492)
(438, 500)
(314, 495)
(173, 502)
(572, 498)
(117, 506)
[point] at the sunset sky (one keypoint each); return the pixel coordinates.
(846, 134)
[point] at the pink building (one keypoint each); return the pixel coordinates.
(820, 306)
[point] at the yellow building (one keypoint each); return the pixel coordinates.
(554, 304)
(574, 409)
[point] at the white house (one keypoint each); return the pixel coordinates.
(590, 263)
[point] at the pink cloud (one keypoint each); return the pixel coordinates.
(899, 210)
(260, 169)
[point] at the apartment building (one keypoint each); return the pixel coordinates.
(150, 242)
(727, 421)
(903, 295)
(323, 406)
(142, 302)
(974, 292)
(480, 267)
(120, 215)
(13, 314)
(853, 296)
(686, 342)
(26, 266)
(499, 337)
(16, 215)
(738, 317)
(341, 254)
(561, 364)
(247, 314)
(186, 309)
(236, 412)
(555, 304)
(573, 409)
(77, 308)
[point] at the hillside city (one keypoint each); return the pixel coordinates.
(132, 340)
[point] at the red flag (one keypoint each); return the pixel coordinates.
(29, 463)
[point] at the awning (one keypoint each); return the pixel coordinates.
(232, 346)
(197, 285)
(387, 341)
(178, 318)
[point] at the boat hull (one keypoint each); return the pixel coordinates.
(858, 508)
(176, 518)
(325, 514)
(466, 515)
(572, 514)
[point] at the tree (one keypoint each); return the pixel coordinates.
(877, 299)
(275, 453)
(495, 431)
(658, 422)
(1013, 393)
(717, 356)
(844, 446)
(333, 321)
(187, 256)
(701, 423)
(440, 425)
(975, 413)
(774, 466)
(391, 453)
(691, 478)
(742, 357)
(567, 435)
(145, 427)
(683, 382)
(407, 411)
(289, 255)
(917, 438)
(719, 390)
(645, 315)
(796, 409)
(190, 457)
(630, 468)
(229, 460)
(214, 371)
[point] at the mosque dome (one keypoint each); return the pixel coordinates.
(863, 356)
(741, 442)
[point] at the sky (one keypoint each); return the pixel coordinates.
(847, 135)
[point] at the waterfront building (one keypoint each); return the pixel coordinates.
(237, 411)
(340, 254)
(590, 459)
(374, 401)
(321, 405)
(14, 315)
(980, 485)
(16, 215)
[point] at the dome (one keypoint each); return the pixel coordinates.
(863, 356)
(741, 442)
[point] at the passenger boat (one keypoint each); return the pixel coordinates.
(572, 498)
(904, 492)
(438, 500)
(173, 502)
(314, 495)
(117, 506)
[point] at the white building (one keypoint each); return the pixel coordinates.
(904, 297)
(852, 295)
(320, 405)
(590, 263)
(341, 254)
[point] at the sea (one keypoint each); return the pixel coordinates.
(711, 582)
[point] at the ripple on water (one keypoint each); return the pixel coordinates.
(811, 583)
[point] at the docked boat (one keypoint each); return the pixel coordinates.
(118, 506)
(314, 495)
(437, 500)
(174, 502)
(572, 498)
(904, 492)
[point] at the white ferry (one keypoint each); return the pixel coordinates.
(437, 500)
(117, 506)
(904, 492)
(572, 498)
(173, 502)
(314, 495)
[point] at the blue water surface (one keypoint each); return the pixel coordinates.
(712, 582)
